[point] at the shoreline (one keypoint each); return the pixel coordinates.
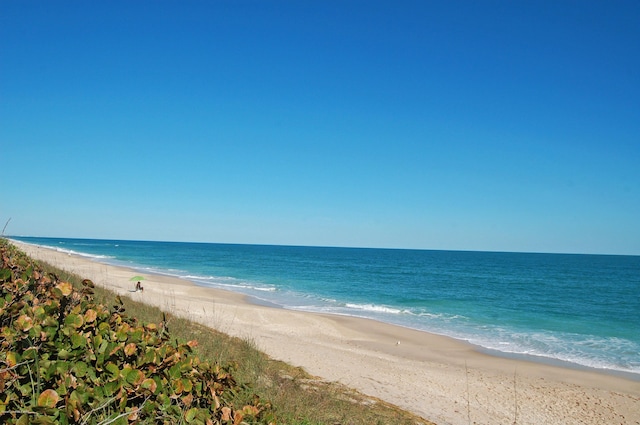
(564, 364)
(257, 300)
(254, 300)
(530, 358)
(445, 380)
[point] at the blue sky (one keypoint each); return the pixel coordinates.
(492, 125)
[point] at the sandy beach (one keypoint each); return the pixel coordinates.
(441, 379)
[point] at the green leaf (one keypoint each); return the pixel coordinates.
(134, 377)
(191, 414)
(163, 400)
(64, 354)
(80, 369)
(187, 385)
(174, 371)
(35, 331)
(64, 419)
(25, 389)
(30, 353)
(91, 373)
(62, 367)
(98, 392)
(112, 348)
(136, 335)
(110, 388)
(99, 360)
(12, 358)
(62, 389)
(80, 394)
(39, 313)
(74, 320)
(149, 356)
(49, 320)
(97, 341)
(113, 371)
(43, 420)
(5, 275)
(78, 341)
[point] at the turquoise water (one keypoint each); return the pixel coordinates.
(582, 309)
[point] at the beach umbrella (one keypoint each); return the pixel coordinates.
(137, 278)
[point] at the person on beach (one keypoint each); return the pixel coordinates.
(139, 287)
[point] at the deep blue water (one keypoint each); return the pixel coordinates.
(583, 309)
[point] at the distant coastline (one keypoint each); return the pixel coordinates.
(348, 247)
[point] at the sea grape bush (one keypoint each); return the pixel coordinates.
(65, 359)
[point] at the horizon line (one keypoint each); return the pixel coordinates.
(497, 251)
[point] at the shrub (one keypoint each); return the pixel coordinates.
(66, 359)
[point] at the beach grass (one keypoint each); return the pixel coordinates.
(296, 397)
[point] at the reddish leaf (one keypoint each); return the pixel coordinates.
(226, 413)
(149, 384)
(48, 398)
(90, 316)
(130, 349)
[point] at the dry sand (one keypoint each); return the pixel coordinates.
(441, 379)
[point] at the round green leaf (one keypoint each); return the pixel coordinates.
(135, 377)
(80, 369)
(78, 340)
(73, 320)
(5, 274)
(113, 370)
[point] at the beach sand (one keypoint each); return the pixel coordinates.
(441, 379)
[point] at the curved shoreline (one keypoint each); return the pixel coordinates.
(432, 375)
(257, 300)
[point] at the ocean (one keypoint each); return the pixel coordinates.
(579, 309)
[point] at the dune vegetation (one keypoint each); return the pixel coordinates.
(71, 353)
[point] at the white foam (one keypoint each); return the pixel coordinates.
(80, 254)
(572, 348)
(374, 308)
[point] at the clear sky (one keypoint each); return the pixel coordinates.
(466, 125)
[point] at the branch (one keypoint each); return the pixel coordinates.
(5, 226)
(15, 366)
(109, 421)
